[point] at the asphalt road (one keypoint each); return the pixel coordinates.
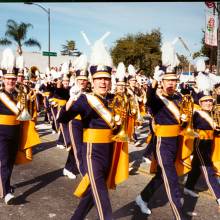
(42, 192)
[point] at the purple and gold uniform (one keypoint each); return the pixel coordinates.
(202, 163)
(166, 115)
(61, 95)
(97, 151)
(9, 139)
(47, 92)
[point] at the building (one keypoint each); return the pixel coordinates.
(37, 59)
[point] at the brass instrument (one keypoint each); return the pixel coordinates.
(186, 113)
(1, 85)
(22, 105)
(33, 70)
(134, 110)
(215, 114)
(120, 112)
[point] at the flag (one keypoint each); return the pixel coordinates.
(210, 4)
(211, 26)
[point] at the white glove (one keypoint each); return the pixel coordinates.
(158, 75)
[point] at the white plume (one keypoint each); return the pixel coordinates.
(26, 73)
(120, 72)
(65, 68)
(8, 60)
(81, 63)
(203, 82)
(85, 38)
(20, 62)
(131, 70)
(100, 55)
(200, 64)
(55, 74)
(156, 68)
(175, 41)
(214, 79)
(74, 62)
(47, 71)
(169, 57)
(105, 36)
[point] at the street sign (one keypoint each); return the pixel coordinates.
(51, 54)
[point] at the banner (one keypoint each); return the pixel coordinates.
(211, 26)
(210, 4)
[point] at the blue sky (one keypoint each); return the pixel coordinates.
(184, 19)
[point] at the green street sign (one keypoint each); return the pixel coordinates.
(51, 54)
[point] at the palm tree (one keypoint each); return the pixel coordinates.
(70, 49)
(18, 33)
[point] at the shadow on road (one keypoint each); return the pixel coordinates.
(130, 209)
(42, 134)
(136, 155)
(43, 146)
(159, 199)
(40, 182)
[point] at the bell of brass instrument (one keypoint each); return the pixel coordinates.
(120, 112)
(22, 105)
(186, 112)
(215, 114)
(134, 110)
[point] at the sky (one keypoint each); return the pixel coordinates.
(174, 19)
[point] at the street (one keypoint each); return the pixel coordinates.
(42, 192)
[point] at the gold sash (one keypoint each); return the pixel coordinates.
(99, 107)
(9, 103)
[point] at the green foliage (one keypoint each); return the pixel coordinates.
(17, 33)
(70, 49)
(141, 50)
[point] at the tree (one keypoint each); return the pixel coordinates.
(69, 49)
(141, 50)
(18, 33)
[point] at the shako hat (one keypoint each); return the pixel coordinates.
(100, 61)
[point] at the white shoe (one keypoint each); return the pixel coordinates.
(146, 160)
(143, 135)
(190, 192)
(69, 174)
(192, 213)
(54, 132)
(68, 149)
(137, 144)
(218, 201)
(60, 146)
(130, 169)
(142, 205)
(9, 198)
(139, 127)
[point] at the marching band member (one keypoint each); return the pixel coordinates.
(132, 96)
(46, 89)
(98, 123)
(76, 125)
(15, 130)
(60, 97)
(202, 157)
(164, 107)
(9, 132)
